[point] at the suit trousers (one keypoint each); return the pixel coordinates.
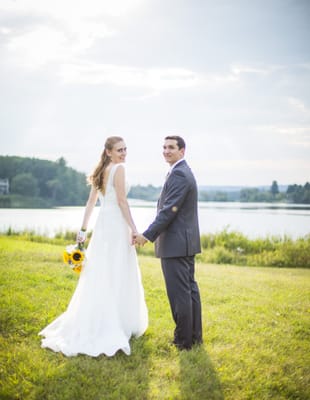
(184, 298)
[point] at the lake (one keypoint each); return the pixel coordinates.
(252, 219)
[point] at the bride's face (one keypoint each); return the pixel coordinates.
(118, 153)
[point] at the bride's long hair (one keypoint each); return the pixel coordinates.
(97, 177)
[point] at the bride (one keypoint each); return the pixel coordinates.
(108, 306)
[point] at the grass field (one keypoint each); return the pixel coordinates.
(256, 335)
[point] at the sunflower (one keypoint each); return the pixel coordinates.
(77, 256)
(74, 257)
(66, 257)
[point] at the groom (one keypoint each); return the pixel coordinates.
(175, 231)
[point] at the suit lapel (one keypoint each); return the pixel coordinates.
(168, 176)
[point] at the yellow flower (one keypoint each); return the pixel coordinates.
(66, 257)
(74, 256)
(77, 269)
(77, 256)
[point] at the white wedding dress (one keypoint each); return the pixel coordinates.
(108, 306)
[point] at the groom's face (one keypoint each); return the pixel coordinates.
(171, 151)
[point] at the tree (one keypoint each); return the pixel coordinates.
(25, 184)
(274, 189)
(306, 196)
(55, 186)
(61, 162)
(249, 194)
(298, 193)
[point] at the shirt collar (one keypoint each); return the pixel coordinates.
(176, 163)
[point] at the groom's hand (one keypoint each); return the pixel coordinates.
(140, 239)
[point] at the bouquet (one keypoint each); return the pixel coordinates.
(74, 256)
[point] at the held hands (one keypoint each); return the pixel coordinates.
(137, 238)
(81, 236)
(140, 240)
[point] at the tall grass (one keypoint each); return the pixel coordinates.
(219, 248)
(256, 335)
(235, 248)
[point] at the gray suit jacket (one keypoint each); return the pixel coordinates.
(175, 227)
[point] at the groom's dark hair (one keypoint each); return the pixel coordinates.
(180, 141)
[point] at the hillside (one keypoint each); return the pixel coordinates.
(34, 183)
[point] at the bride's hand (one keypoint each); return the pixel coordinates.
(140, 240)
(81, 236)
(134, 237)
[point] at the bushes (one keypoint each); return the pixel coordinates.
(285, 254)
(19, 201)
(219, 248)
(234, 248)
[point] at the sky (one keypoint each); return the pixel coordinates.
(232, 77)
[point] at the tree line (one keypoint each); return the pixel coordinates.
(42, 183)
(293, 194)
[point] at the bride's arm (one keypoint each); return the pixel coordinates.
(91, 202)
(120, 188)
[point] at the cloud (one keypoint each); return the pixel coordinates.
(71, 10)
(157, 79)
(62, 31)
(263, 163)
(38, 47)
(243, 69)
(297, 135)
(251, 172)
(298, 105)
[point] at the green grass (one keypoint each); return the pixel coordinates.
(256, 335)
